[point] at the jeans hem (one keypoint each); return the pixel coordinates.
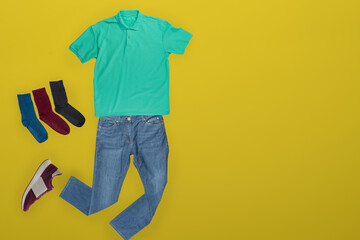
(64, 189)
(118, 231)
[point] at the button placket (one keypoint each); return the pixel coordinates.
(129, 37)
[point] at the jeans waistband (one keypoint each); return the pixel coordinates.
(127, 118)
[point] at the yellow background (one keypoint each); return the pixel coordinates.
(263, 131)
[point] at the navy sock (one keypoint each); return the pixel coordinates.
(62, 106)
(29, 119)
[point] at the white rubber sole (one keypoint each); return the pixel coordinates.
(35, 178)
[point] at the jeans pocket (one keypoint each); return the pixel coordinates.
(107, 123)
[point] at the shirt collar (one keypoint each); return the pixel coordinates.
(137, 22)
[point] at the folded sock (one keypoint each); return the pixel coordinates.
(46, 113)
(29, 119)
(62, 106)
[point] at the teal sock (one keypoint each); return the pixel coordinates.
(29, 119)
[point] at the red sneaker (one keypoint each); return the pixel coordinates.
(40, 184)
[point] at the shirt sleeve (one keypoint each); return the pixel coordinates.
(175, 40)
(85, 47)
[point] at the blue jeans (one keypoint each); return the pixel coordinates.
(117, 138)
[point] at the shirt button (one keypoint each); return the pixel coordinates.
(128, 118)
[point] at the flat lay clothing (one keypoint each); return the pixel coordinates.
(62, 105)
(131, 75)
(29, 118)
(117, 138)
(46, 114)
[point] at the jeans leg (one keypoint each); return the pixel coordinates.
(77, 194)
(150, 159)
(112, 158)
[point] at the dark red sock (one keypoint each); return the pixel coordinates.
(46, 113)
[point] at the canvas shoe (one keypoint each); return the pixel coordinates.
(40, 184)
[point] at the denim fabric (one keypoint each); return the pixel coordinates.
(117, 138)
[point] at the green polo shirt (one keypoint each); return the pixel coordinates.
(131, 74)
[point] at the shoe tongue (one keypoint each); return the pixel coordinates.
(57, 172)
